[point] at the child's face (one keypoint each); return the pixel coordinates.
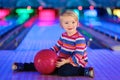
(69, 24)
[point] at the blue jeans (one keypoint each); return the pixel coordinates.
(65, 70)
(69, 70)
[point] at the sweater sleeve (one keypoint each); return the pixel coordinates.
(57, 46)
(79, 57)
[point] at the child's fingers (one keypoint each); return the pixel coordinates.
(58, 64)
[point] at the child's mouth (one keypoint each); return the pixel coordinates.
(69, 28)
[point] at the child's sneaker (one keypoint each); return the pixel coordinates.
(89, 72)
(18, 67)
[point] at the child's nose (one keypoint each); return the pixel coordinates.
(70, 24)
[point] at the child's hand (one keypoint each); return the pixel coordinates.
(61, 62)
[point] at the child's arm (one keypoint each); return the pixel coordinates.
(57, 46)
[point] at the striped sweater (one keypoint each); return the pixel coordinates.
(72, 47)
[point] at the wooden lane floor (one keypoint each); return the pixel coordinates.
(105, 63)
(107, 41)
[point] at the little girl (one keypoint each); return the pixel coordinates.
(71, 47)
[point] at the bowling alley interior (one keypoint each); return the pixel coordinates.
(29, 26)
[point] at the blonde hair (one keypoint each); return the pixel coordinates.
(69, 13)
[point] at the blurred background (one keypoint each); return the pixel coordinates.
(17, 17)
(28, 26)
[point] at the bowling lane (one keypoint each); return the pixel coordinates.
(7, 25)
(45, 34)
(108, 28)
(42, 35)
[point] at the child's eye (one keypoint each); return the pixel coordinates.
(73, 22)
(66, 22)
